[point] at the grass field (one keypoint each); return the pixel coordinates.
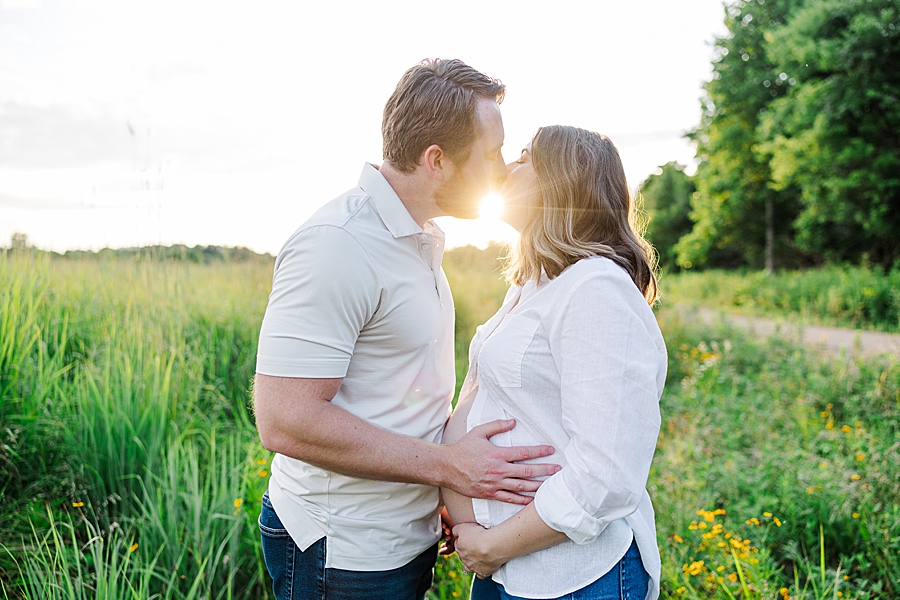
(130, 466)
(857, 297)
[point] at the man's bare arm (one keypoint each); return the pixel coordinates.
(295, 417)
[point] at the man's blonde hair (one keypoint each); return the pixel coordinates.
(586, 209)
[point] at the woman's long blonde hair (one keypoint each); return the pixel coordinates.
(585, 210)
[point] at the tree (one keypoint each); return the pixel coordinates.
(667, 200)
(19, 241)
(835, 135)
(738, 217)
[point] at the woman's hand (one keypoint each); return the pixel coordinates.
(473, 544)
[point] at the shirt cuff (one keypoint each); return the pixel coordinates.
(311, 368)
(560, 511)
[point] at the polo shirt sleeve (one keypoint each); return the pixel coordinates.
(608, 363)
(325, 289)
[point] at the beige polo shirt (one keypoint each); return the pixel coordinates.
(359, 293)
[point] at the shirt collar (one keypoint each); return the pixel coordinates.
(391, 210)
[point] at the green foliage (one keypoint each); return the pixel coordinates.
(125, 387)
(860, 297)
(835, 136)
(784, 442)
(732, 179)
(667, 201)
(130, 468)
(799, 136)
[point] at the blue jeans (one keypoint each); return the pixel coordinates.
(627, 580)
(301, 575)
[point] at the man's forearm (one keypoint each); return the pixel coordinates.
(327, 436)
(339, 441)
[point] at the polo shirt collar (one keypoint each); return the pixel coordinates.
(391, 210)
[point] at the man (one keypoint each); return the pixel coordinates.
(355, 371)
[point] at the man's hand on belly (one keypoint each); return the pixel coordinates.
(479, 469)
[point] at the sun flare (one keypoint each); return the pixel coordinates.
(491, 207)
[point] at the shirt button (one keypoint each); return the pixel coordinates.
(425, 246)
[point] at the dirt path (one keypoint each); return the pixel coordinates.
(832, 340)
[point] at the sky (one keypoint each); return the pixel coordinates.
(133, 123)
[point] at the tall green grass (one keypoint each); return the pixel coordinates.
(130, 466)
(125, 394)
(861, 297)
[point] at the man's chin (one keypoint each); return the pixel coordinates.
(460, 211)
(473, 213)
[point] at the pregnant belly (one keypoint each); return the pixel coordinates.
(459, 507)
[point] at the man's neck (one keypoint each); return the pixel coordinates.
(414, 191)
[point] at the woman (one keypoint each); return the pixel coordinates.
(576, 357)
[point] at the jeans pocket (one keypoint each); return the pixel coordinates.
(269, 523)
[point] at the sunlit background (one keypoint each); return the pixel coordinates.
(126, 124)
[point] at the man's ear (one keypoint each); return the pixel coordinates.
(437, 164)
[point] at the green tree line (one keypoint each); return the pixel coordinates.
(798, 145)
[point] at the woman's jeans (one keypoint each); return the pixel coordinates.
(301, 575)
(627, 580)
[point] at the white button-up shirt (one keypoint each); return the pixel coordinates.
(580, 363)
(359, 293)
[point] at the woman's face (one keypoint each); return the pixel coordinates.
(520, 191)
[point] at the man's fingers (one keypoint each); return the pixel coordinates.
(530, 471)
(517, 453)
(511, 498)
(494, 427)
(520, 485)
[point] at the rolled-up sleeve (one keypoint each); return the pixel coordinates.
(324, 290)
(609, 365)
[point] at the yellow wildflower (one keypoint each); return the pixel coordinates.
(238, 502)
(695, 567)
(855, 515)
(78, 504)
(783, 591)
(702, 525)
(134, 547)
(855, 477)
(767, 514)
(823, 464)
(846, 429)
(678, 539)
(860, 456)
(261, 461)
(823, 414)
(720, 569)
(681, 590)
(810, 490)
(829, 425)
(263, 473)
(777, 522)
(732, 576)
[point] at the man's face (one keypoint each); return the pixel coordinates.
(482, 172)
